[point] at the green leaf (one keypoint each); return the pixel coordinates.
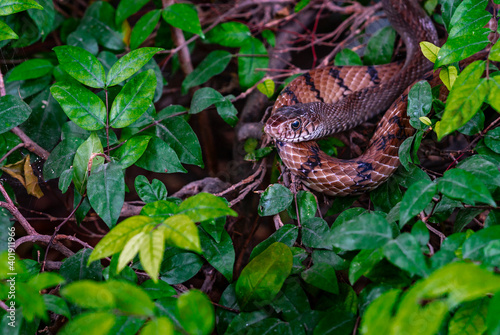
(106, 192)
(262, 278)
(229, 34)
(429, 50)
(205, 206)
(133, 100)
(129, 64)
(150, 192)
(157, 326)
(78, 293)
(483, 169)
(287, 235)
(98, 323)
(415, 200)
(347, 57)
(405, 253)
(494, 83)
(462, 46)
(8, 7)
(363, 263)
(114, 241)
(474, 248)
(81, 65)
(448, 75)
(267, 88)
(84, 154)
(206, 96)
(419, 103)
(136, 301)
(158, 290)
(380, 47)
(57, 305)
(30, 69)
(448, 7)
(13, 112)
(81, 105)
(367, 231)
(44, 19)
(378, 315)
(492, 318)
(212, 65)
(159, 157)
(220, 254)
(196, 313)
(6, 33)
(252, 57)
(78, 267)
(179, 135)
(180, 267)
(494, 54)
(132, 150)
(322, 276)
(307, 206)
(184, 17)
(470, 318)
(180, 231)
(274, 199)
(465, 99)
(469, 16)
(492, 139)
(84, 40)
(127, 8)
(315, 233)
(144, 27)
(464, 186)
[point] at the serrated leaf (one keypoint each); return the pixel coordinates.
(429, 50)
(82, 106)
(469, 16)
(184, 17)
(494, 83)
(81, 65)
(212, 65)
(129, 64)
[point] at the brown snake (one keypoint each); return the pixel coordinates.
(332, 99)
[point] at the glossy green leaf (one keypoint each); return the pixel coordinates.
(262, 278)
(129, 64)
(180, 231)
(419, 103)
(380, 47)
(199, 320)
(206, 96)
(99, 20)
(492, 319)
(133, 100)
(205, 206)
(78, 293)
(8, 7)
(61, 158)
(84, 154)
(474, 248)
(220, 254)
(158, 290)
(307, 206)
(338, 322)
(98, 323)
(79, 267)
(212, 65)
(252, 61)
(81, 65)
(115, 240)
(347, 57)
(57, 305)
(159, 157)
(44, 19)
(13, 112)
(492, 140)
(470, 318)
(81, 105)
(462, 46)
(363, 262)
(30, 69)
(6, 33)
(386, 196)
(84, 40)
(179, 135)
(287, 235)
(448, 8)
(150, 192)
(469, 16)
(322, 276)
(132, 150)
(127, 8)
(184, 17)
(180, 267)
(315, 233)
(274, 199)
(106, 191)
(464, 186)
(367, 231)
(144, 27)
(465, 99)
(229, 34)
(161, 325)
(494, 83)
(483, 169)
(415, 200)
(405, 253)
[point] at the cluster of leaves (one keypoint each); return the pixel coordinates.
(95, 113)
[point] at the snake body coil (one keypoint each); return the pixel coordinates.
(332, 99)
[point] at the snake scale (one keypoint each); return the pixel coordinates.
(332, 99)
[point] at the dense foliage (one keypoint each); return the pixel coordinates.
(97, 104)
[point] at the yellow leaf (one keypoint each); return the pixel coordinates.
(23, 172)
(448, 75)
(425, 120)
(267, 87)
(429, 50)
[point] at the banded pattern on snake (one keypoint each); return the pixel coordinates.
(332, 99)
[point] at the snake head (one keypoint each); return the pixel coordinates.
(295, 123)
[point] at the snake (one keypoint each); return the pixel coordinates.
(332, 99)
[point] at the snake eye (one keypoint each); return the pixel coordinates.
(295, 124)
